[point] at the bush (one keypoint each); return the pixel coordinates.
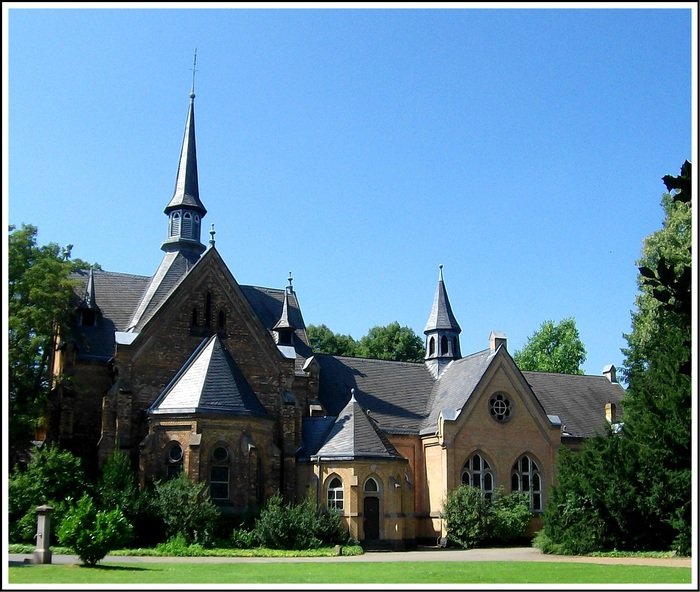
(298, 526)
(473, 520)
(466, 516)
(117, 485)
(242, 538)
(186, 509)
(509, 517)
(93, 533)
(52, 477)
(178, 546)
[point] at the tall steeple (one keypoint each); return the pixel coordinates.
(185, 210)
(441, 332)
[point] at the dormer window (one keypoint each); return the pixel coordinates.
(285, 338)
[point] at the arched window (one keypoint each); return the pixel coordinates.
(196, 227)
(219, 474)
(371, 485)
(175, 224)
(335, 494)
(431, 346)
(477, 472)
(195, 317)
(221, 322)
(443, 346)
(526, 477)
(187, 225)
(174, 460)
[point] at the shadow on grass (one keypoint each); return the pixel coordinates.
(80, 565)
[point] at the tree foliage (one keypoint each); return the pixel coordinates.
(323, 341)
(383, 342)
(391, 342)
(186, 509)
(51, 477)
(632, 490)
(553, 348)
(91, 532)
(39, 297)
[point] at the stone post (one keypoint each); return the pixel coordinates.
(42, 553)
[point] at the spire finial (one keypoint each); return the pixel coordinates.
(352, 395)
(212, 232)
(290, 288)
(194, 70)
(440, 266)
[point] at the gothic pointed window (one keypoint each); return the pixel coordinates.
(207, 310)
(477, 472)
(443, 346)
(431, 346)
(335, 494)
(195, 317)
(526, 477)
(221, 321)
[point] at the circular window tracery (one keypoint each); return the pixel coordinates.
(500, 407)
(175, 453)
(220, 454)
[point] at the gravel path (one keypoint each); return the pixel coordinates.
(428, 554)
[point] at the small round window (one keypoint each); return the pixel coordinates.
(500, 407)
(175, 453)
(220, 454)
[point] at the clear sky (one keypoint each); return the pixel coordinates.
(360, 148)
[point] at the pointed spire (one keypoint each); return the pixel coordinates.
(187, 182)
(441, 316)
(442, 332)
(284, 323)
(89, 302)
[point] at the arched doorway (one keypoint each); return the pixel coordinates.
(371, 510)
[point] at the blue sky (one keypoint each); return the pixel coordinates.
(360, 148)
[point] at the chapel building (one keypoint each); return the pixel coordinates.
(189, 371)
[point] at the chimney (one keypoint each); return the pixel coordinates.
(609, 373)
(497, 339)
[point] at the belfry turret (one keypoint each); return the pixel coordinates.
(441, 332)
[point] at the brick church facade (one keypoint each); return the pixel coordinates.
(190, 371)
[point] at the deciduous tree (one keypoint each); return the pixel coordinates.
(553, 348)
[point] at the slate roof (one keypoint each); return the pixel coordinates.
(125, 300)
(170, 272)
(454, 388)
(116, 295)
(354, 435)
(394, 393)
(579, 401)
(209, 382)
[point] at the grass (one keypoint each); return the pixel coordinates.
(355, 572)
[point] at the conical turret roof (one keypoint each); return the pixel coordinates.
(441, 316)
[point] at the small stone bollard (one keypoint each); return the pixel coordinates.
(42, 553)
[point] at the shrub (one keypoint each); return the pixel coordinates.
(93, 533)
(466, 516)
(286, 526)
(178, 546)
(186, 509)
(472, 519)
(509, 516)
(297, 526)
(117, 485)
(242, 538)
(52, 477)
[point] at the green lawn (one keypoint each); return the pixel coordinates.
(356, 572)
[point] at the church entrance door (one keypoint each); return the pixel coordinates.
(371, 518)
